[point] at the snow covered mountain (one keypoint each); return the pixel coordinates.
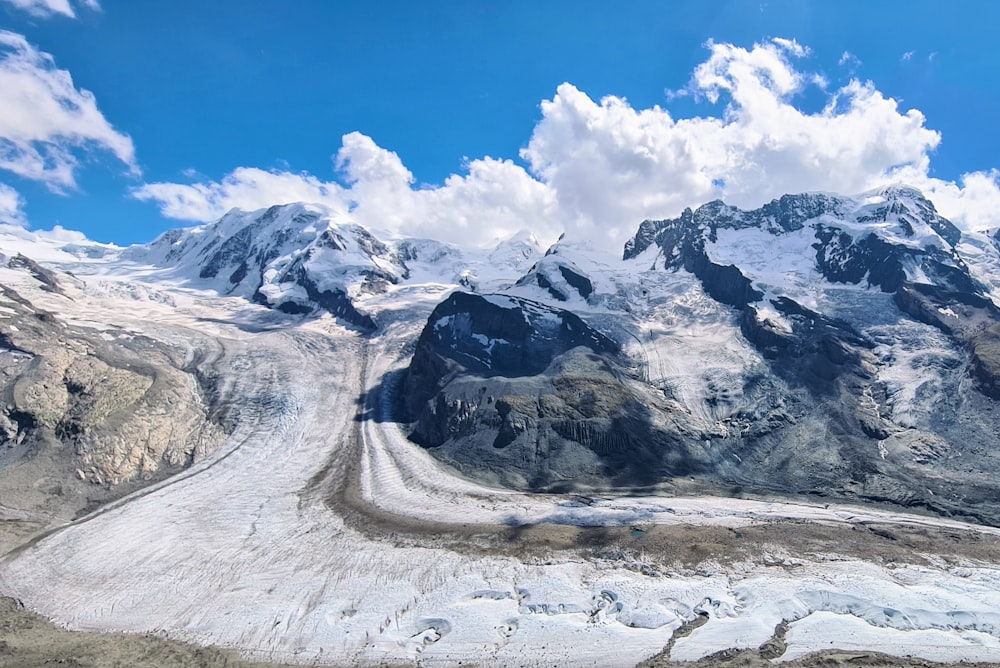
(863, 363)
(781, 420)
(821, 344)
(296, 258)
(787, 255)
(292, 258)
(845, 324)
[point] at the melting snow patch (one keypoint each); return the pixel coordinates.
(502, 301)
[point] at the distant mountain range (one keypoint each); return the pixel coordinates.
(764, 433)
(841, 347)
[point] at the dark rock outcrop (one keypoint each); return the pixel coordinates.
(46, 278)
(682, 246)
(492, 335)
(531, 396)
(580, 421)
(972, 320)
(843, 259)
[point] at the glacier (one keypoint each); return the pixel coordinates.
(317, 532)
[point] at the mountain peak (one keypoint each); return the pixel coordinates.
(297, 258)
(519, 251)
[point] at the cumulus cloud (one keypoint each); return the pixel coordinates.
(47, 8)
(597, 168)
(11, 206)
(611, 165)
(493, 199)
(45, 121)
(973, 202)
(246, 188)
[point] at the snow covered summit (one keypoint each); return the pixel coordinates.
(299, 258)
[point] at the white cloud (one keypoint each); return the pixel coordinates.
(494, 199)
(596, 169)
(45, 120)
(246, 188)
(848, 59)
(973, 203)
(761, 73)
(792, 47)
(907, 56)
(11, 206)
(611, 165)
(46, 8)
(60, 233)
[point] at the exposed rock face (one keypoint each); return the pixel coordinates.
(788, 214)
(538, 397)
(581, 421)
(46, 278)
(562, 417)
(500, 335)
(682, 244)
(828, 410)
(81, 415)
(493, 335)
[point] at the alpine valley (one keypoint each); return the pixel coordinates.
(763, 433)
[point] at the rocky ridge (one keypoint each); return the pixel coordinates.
(86, 416)
(837, 402)
(535, 396)
(302, 259)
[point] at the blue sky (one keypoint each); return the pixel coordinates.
(205, 105)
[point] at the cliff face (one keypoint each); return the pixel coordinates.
(537, 397)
